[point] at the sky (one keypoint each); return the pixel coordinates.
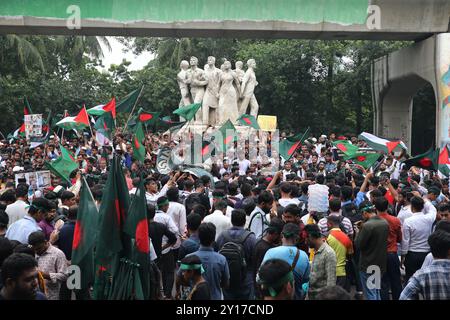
(116, 55)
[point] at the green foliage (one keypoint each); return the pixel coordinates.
(321, 84)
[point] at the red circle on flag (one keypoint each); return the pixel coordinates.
(145, 117)
(142, 242)
(425, 162)
(77, 235)
(361, 158)
(341, 147)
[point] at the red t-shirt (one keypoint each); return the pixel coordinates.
(395, 231)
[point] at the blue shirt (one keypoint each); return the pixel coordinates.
(360, 197)
(216, 270)
(189, 246)
(301, 270)
(21, 229)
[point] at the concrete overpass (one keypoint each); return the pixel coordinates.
(397, 77)
(318, 19)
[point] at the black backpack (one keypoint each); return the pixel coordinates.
(351, 212)
(233, 250)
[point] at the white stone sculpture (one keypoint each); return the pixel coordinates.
(183, 84)
(210, 99)
(197, 82)
(247, 90)
(228, 94)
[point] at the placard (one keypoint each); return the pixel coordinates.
(267, 123)
(37, 180)
(33, 125)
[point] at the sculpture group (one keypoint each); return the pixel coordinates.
(225, 94)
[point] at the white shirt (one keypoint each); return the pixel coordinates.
(285, 173)
(428, 260)
(16, 211)
(404, 213)
(258, 226)
(416, 230)
(178, 214)
(166, 220)
(428, 208)
(285, 202)
(153, 197)
(218, 219)
(243, 166)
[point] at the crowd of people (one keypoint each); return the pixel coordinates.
(312, 227)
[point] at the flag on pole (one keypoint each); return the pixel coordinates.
(85, 235)
(348, 149)
(188, 112)
(144, 117)
(104, 108)
(299, 136)
(380, 144)
(249, 121)
(138, 143)
(428, 161)
(80, 121)
(27, 107)
(64, 165)
(105, 125)
(128, 102)
(366, 160)
(288, 148)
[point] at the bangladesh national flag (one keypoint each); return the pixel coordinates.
(201, 150)
(444, 162)
(27, 107)
(188, 112)
(428, 161)
(105, 125)
(138, 143)
(80, 121)
(380, 144)
(348, 149)
(104, 108)
(287, 148)
(85, 235)
(113, 210)
(249, 121)
(366, 160)
(299, 136)
(136, 226)
(129, 101)
(144, 117)
(225, 136)
(64, 165)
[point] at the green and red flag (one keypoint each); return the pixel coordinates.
(80, 121)
(136, 226)
(287, 148)
(145, 117)
(225, 136)
(105, 125)
(27, 107)
(104, 108)
(64, 165)
(428, 161)
(444, 162)
(380, 144)
(249, 121)
(299, 136)
(348, 149)
(129, 101)
(84, 235)
(188, 112)
(366, 160)
(138, 143)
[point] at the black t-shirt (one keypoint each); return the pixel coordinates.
(259, 251)
(156, 231)
(201, 292)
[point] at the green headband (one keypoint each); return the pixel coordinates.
(288, 277)
(218, 197)
(367, 208)
(162, 204)
(192, 267)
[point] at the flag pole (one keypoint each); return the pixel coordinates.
(132, 110)
(62, 135)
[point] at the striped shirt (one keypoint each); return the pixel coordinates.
(54, 262)
(347, 224)
(342, 246)
(429, 283)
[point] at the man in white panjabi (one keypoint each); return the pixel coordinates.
(198, 82)
(183, 84)
(210, 99)
(247, 90)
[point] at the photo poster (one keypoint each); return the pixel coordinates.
(33, 125)
(38, 180)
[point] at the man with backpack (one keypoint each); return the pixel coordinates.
(237, 245)
(258, 221)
